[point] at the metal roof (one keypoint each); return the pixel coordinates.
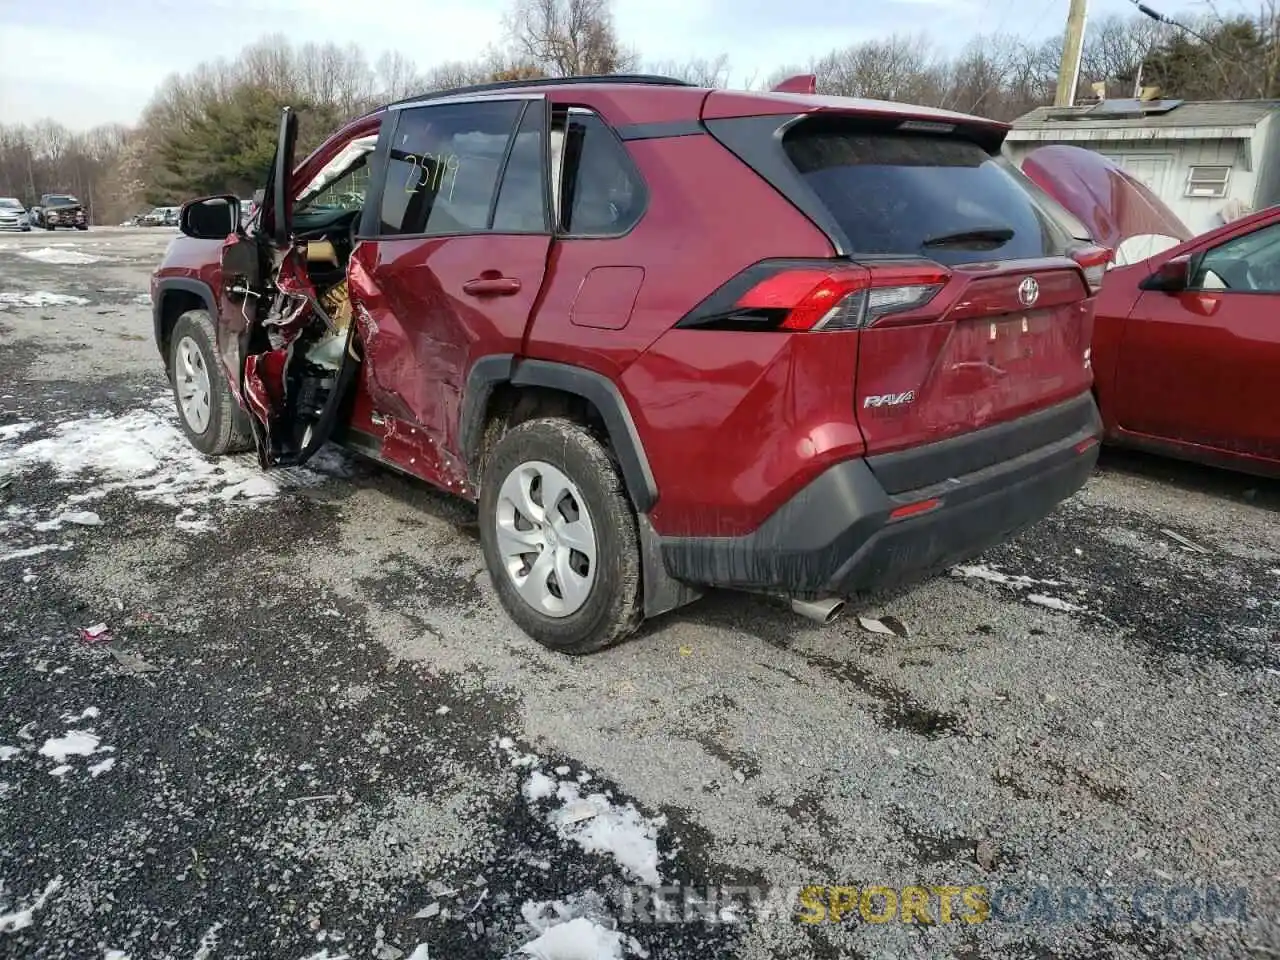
(1219, 114)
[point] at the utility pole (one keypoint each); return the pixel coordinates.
(1072, 50)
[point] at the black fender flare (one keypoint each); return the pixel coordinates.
(661, 591)
(488, 372)
(181, 285)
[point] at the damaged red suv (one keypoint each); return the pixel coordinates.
(669, 338)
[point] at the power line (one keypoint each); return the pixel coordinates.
(1211, 45)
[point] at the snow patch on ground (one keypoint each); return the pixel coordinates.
(11, 431)
(8, 753)
(144, 451)
(596, 825)
(102, 766)
(33, 551)
(60, 256)
(1053, 603)
(593, 822)
(576, 928)
(981, 571)
(77, 743)
(539, 787)
(21, 919)
(81, 518)
(577, 939)
(40, 298)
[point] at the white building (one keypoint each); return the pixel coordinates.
(1210, 161)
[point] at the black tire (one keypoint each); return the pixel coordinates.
(613, 609)
(227, 430)
(82, 227)
(49, 227)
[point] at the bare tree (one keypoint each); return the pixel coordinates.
(1115, 49)
(397, 76)
(568, 38)
(700, 71)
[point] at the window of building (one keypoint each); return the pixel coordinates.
(1208, 181)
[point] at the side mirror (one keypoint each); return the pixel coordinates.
(1172, 276)
(210, 218)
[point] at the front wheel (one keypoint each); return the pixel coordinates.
(209, 415)
(559, 537)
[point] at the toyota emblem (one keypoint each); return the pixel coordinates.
(1028, 292)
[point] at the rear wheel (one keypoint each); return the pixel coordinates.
(209, 414)
(559, 537)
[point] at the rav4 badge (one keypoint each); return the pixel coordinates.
(889, 399)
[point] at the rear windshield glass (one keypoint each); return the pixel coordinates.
(923, 195)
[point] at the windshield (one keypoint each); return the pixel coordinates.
(350, 159)
(60, 200)
(922, 195)
(11, 203)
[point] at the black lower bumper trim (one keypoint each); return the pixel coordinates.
(836, 537)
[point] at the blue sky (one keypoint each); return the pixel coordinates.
(84, 62)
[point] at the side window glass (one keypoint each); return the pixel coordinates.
(1249, 264)
(522, 203)
(442, 171)
(598, 191)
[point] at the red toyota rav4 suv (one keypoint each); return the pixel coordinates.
(668, 337)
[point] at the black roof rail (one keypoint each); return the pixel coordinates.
(638, 79)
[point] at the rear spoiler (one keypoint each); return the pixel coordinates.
(800, 83)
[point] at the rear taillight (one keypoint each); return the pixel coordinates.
(800, 296)
(1093, 261)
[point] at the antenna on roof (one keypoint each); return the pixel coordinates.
(800, 83)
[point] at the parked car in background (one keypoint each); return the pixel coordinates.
(1186, 345)
(60, 210)
(868, 361)
(160, 217)
(13, 215)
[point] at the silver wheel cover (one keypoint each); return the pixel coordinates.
(195, 393)
(546, 539)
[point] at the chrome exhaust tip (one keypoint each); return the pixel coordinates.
(819, 611)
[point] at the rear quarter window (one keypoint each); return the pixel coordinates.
(891, 193)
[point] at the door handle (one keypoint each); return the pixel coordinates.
(492, 286)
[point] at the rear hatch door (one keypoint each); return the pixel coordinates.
(1119, 210)
(984, 309)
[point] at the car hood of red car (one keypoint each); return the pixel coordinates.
(1118, 209)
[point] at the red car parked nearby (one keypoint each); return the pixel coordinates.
(668, 337)
(1186, 345)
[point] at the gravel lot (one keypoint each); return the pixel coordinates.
(1092, 707)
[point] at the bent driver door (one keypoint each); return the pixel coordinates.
(247, 260)
(452, 256)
